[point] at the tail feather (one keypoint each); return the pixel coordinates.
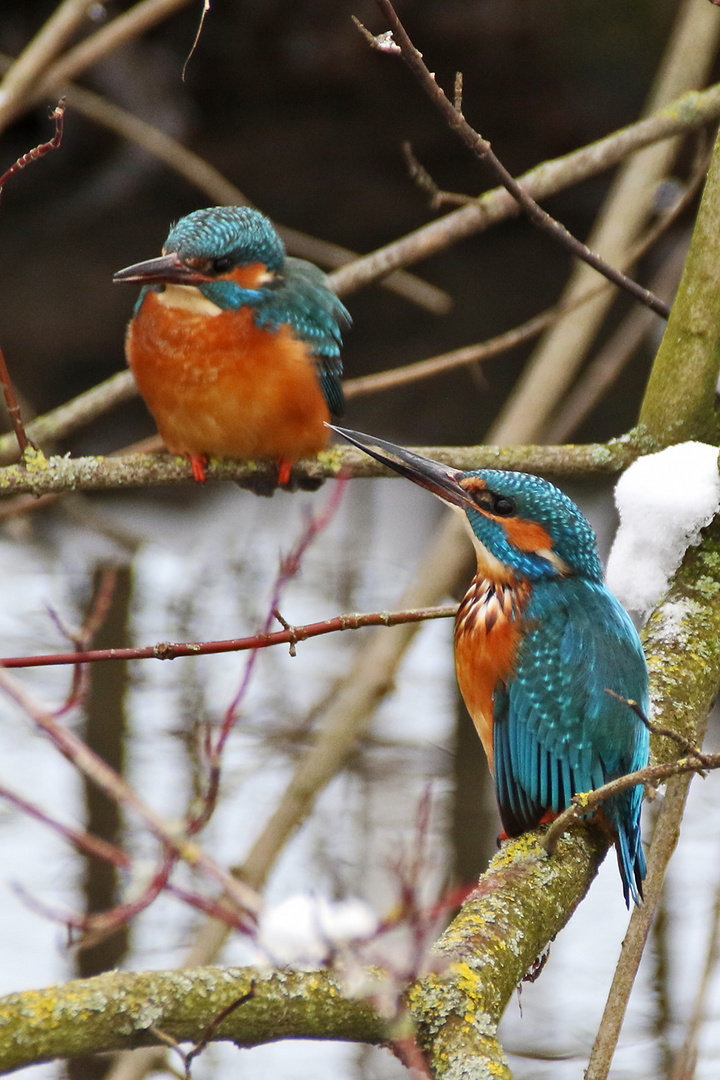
(625, 819)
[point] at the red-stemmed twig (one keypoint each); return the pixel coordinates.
(289, 568)
(37, 152)
(291, 635)
(82, 841)
(12, 406)
(173, 840)
(82, 638)
(11, 402)
(86, 930)
(398, 42)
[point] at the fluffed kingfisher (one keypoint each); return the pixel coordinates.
(235, 346)
(539, 642)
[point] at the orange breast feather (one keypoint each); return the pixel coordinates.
(487, 632)
(219, 386)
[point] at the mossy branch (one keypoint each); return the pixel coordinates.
(38, 475)
(521, 902)
(456, 1011)
(121, 1010)
(679, 402)
(682, 644)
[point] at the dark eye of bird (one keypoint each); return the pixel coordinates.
(502, 506)
(491, 503)
(222, 265)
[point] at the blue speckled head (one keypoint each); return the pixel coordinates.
(531, 501)
(525, 523)
(238, 233)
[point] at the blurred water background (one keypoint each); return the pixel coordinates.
(204, 569)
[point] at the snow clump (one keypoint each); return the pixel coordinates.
(663, 500)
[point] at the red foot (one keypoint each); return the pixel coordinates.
(283, 472)
(198, 463)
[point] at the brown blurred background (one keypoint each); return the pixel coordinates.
(290, 103)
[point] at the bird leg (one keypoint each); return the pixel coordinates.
(283, 472)
(198, 463)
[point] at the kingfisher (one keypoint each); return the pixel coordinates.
(235, 346)
(547, 660)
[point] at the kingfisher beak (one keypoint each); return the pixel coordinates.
(431, 475)
(167, 270)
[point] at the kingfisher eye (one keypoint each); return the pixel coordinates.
(492, 503)
(502, 506)
(222, 265)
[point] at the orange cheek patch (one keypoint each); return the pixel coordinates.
(248, 277)
(527, 535)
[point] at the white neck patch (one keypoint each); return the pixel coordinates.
(188, 298)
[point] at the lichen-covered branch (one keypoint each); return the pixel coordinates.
(522, 901)
(682, 643)
(121, 1010)
(679, 402)
(38, 475)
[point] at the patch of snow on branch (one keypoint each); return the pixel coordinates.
(306, 930)
(664, 500)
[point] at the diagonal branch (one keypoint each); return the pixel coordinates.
(685, 113)
(484, 152)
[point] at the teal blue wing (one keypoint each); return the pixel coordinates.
(301, 297)
(556, 729)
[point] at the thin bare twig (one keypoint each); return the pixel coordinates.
(117, 788)
(685, 113)
(81, 840)
(126, 26)
(593, 384)
(685, 1062)
(12, 407)
(583, 802)
(586, 801)
(37, 152)
(484, 152)
(559, 356)
(11, 402)
(621, 347)
(292, 635)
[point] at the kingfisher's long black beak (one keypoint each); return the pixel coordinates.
(439, 479)
(166, 270)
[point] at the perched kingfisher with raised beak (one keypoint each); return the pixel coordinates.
(235, 346)
(546, 658)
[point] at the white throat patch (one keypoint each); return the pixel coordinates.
(188, 298)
